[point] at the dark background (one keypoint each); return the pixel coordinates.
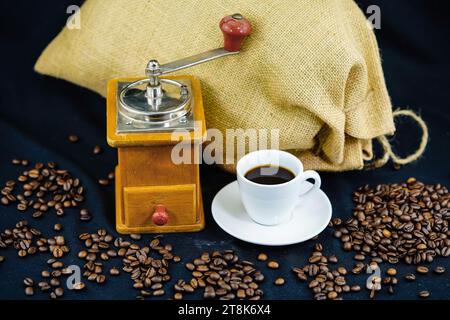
(37, 113)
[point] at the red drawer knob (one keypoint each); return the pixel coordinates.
(160, 217)
(235, 28)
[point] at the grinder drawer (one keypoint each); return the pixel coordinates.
(179, 201)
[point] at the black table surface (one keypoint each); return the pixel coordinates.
(37, 113)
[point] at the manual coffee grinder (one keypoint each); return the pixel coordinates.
(153, 194)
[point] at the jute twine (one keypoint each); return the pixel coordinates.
(387, 148)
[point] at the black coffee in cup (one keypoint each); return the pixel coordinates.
(268, 174)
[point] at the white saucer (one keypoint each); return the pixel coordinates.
(308, 219)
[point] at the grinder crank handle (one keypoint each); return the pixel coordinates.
(234, 28)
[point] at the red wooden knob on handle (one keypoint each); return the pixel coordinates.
(235, 28)
(160, 216)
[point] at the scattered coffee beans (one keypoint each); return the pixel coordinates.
(43, 188)
(279, 281)
(223, 276)
(97, 246)
(25, 239)
(273, 264)
(324, 282)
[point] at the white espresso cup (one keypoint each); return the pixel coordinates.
(272, 204)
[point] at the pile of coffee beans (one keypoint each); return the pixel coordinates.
(325, 282)
(402, 221)
(43, 187)
(58, 246)
(98, 249)
(148, 266)
(221, 275)
(24, 238)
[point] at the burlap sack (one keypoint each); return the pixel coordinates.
(310, 68)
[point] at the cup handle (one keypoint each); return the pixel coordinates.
(311, 174)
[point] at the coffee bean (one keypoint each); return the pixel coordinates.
(262, 257)
(158, 293)
(54, 282)
(355, 288)
(190, 266)
(79, 286)
(424, 294)
(44, 286)
(114, 271)
(85, 215)
(91, 257)
(73, 138)
(97, 150)
(273, 264)
(56, 273)
(333, 259)
(82, 254)
(391, 290)
(422, 270)
(439, 270)
(279, 281)
(332, 295)
(410, 277)
(359, 257)
(45, 274)
(178, 296)
(59, 292)
(103, 182)
(135, 236)
(337, 222)
(209, 292)
(342, 270)
(100, 279)
(28, 282)
(57, 227)
(391, 272)
(29, 291)
(5, 201)
(240, 293)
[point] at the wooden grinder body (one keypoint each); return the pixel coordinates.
(147, 177)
